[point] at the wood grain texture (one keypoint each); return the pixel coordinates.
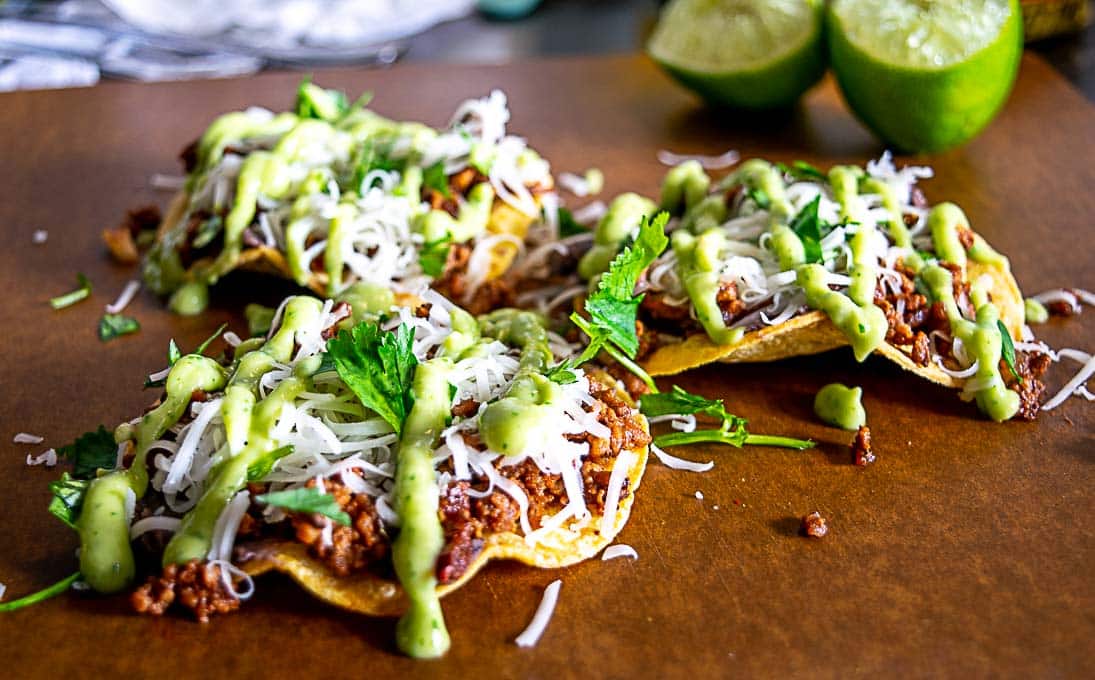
(965, 550)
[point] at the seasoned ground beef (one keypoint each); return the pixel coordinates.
(196, 585)
(121, 240)
(813, 525)
(453, 284)
(346, 548)
(1031, 367)
(862, 454)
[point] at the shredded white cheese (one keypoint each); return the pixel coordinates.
(47, 458)
(542, 617)
(27, 438)
(675, 463)
(619, 550)
(40, 236)
(1072, 385)
(720, 162)
(699, 495)
(124, 298)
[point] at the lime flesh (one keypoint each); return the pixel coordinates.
(752, 54)
(925, 75)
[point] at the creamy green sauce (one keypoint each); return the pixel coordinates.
(683, 187)
(1034, 311)
(697, 258)
(624, 214)
(840, 406)
(982, 341)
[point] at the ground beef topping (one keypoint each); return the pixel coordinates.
(453, 284)
(814, 526)
(862, 454)
(345, 549)
(1030, 366)
(121, 240)
(196, 585)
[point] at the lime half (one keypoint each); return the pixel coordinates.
(925, 75)
(754, 54)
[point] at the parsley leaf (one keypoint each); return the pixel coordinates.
(613, 307)
(68, 498)
(811, 229)
(115, 325)
(680, 402)
(265, 463)
(374, 154)
(307, 499)
(434, 177)
(378, 367)
(90, 451)
(434, 255)
(801, 170)
(760, 197)
(82, 291)
(562, 374)
(173, 353)
(1007, 349)
(568, 226)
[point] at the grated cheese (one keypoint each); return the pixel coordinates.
(531, 635)
(47, 458)
(124, 298)
(27, 438)
(619, 550)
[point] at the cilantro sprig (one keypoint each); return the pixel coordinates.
(116, 325)
(810, 229)
(83, 290)
(378, 366)
(44, 594)
(90, 452)
(266, 462)
(801, 170)
(1007, 350)
(434, 255)
(731, 429)
(434, 177)
(307, 499)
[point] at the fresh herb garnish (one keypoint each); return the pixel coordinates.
(307, 499)
(374, 154)
(1007, 349)
(731, 428)
(90, 452)
(434, 177)
(434, 255)
(315, 102)
(82, 291)
(265, 463)
(208, 341)
(811, 229)
(801, 170)
(68, 498)
(43, 594)
(208, 231)
(760, 197)
(115, 325)
(568, 226)
(562, 374)
(379, 367)
(680, 402)
(173, 353)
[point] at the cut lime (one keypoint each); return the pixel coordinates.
(755, 54)
(925, 75)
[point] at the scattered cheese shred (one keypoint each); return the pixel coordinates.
(675, 463)
(720, 162)
(531, 635)
(699, 495)
(619, 550)
(27, 438)
(47, 458)
(40, 236)
(1072, 386)
(124, 298)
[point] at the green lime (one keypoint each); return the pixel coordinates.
(925, 75)
(754, 54)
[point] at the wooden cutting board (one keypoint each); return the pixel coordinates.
(966, 549)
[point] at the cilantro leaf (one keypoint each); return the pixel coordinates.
(738, 438)
(613, 307)
(434, 177)
(760, 197)
(42, 595)
(374, 154)
(265, 463)
(568, 226)
(207, 231)
(307, 499)
(811, 229)
(173, 353)
(561, 374)
(434, 255)
(115, 325)
(315, 102)
(378, 366)
(680, 402)
(801, 170)
(82, 291)
(90, 451)
(1007, 349)
(68, 498)
(208, 341)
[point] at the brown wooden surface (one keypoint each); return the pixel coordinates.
(966, 549)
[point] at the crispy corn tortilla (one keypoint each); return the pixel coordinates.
(813, 333)
(504, 219)
(370, 594)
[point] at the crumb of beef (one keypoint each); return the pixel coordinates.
(921, 349)
(1031, 366)
(633, 384)
(655, 307)
(492, 294)
(196, 585)
(728, 302)
(1062, 308)
(463, 534)
(465, 409)
(862, 454)
(199, 396)
(189, 156)
(814, 526)
(422, 311)
(453, 284)
(350, 548)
